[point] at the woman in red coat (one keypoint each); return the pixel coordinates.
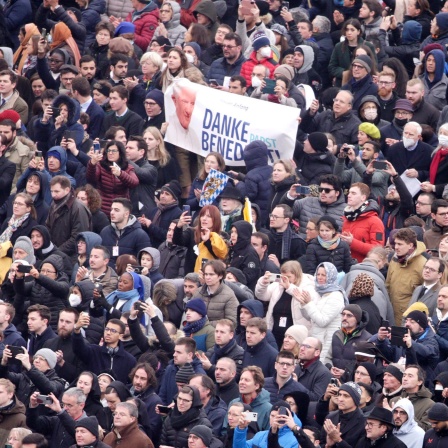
(111, 174)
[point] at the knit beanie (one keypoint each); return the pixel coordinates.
(10, 115)
(417, 306)
(412, 32)
(363, 286)
(281, 403)
(239, 274)
(318, 141)
(197, 305)
(370, 129)
(184, 374)
(285, 70)
(395, 371)
(203, 432)
(173, 188)
(418, 317)
(54, 154)
(365, 61)
(371, 369)
(124, 28)
(196, 48)
(298, 332)
(442, 20)
(49, 355)
(353, 390)
(331, 220)
(439, 412)
(355, 310)
(76, 12)
(157, 96)
(90, 423)
(24, 243)
(104, 89)
(260, 40)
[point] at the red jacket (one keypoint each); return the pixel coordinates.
(248, 66)
(110, 186)
(186, 14)
(367, 231)
(145, 26)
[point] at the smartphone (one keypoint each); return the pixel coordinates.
(56, 111)
(103, 143)
(300, 189)
(246, 6)
(250, 416)
(274, 278)
(379, 165)
(38, 156)
(23, 269)
(270, 85)
(282, 411)
(204, 260)
(96, 147)
(285, 5)
(385, 324)
(99, 287)
(115, 165)
(213, 83)
(44, 399)
(397, 334)
(164, 409)
(334, 381)
(44, 33)
(138, 269)
(186, 208)
(348, 147)
(138, 305)
(15, 350)
(69, 134)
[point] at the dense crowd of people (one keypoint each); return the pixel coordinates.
(305, 304)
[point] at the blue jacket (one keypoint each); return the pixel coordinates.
(17, 14)
(254, 185)
(63, 168)
(96, 114)
(261, 355)
(221, 68)
(92, 239)
(91, 17)
(168, 387)
(271, 385)
(441, 327)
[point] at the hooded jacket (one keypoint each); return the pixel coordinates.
(409, 432)
(145, 21)
(435, 91)
(309, 167)
(253, 186)
(208, 9)
(252, 61)
(378, 122)
(306, 74)
(91, 239)
(176, 32)
(154, 273)
(367, 230)
(46, 291)
(63, 168)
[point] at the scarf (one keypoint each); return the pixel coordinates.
(227, 220)
(193, 327)
(116, 295)
(168, 78)
(63, 36)
(56, 206)
(331, 244)
(332, 281)
(161, 208)
(438, 158)
(404, 258)
(13, 225)
(286, 238)
(179, 421)
(273, 98)
(21, 53)
(352, 215)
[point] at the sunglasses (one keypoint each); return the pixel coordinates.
(325, 190)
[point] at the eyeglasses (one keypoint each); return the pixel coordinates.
(360, 67)
(111, 330)
(427, 268)
(385, 83)
(284, 364)
(112, 151)
(183, 400)
(21, 204)
(421, 203)
(308, 346)
(325, 190)
(275, 217)
(149, 103)
(228, 46)
(46, 271)
(371, 425)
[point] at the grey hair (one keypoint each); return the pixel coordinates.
(131, 407)
(193, 277)
(323, 23)
(77, 393)
(154, 57)
(417, 126)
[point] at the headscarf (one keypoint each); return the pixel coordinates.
(22, 52)
(129, 296)
(63, 36)
(331, 284)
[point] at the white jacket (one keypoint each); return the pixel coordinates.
(325, 315)
(271, 293)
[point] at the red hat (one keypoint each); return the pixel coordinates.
(10, 115)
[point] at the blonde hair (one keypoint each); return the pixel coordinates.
(162, 154)
(289, 167)
(294, 268)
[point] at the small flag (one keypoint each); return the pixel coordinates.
(213, 186)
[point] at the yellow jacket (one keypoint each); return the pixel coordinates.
(220, 250)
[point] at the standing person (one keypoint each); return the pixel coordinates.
(283, 176)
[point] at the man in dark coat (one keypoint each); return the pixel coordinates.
(437, 436)
(87, 434)
(8, 170)
(424, 113)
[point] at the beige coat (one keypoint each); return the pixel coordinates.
(19, 105)
(20, 154)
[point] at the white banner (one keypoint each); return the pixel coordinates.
(203, 120)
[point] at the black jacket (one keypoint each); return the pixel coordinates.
(261, 355)
(315, 378)
(231, 350)
(144, 192)
(172, 260)
(311, 166)
(8, 170)
(316, 254)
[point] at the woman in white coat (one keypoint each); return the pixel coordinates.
(324, 313)
(284, 310)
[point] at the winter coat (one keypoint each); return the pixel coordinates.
(285, 438)
(436, 94)
(23, 230)
(176, 32)
(97, 359)
(12, 416)
(145, 24)
(441, 327)
(205, 337)
(277, 393)
(172, 260)
(16, 103)
(315, 378)
(241, 30)
(216, 410)
(19, 154)
(435, 438)
(99, 53)
(17, 13)
(343, 346)
(130, 435)
(284, 101)
(425, 113)
(91, 16)
(366, 304)
(326, 48)
(344, 128)
(46, 291)
(316, 254)
(262, 355)
(231, 350)
(261, 405)
(220, 68)
(409, 432)
(433, 236)
(130, 240)
(309, 167)
(65, 225)
(355, 174)
(422, 403)
(360, 89)
(310, 207)
(109, 185)
(221, 304)
(145, 190)
(441, 177)
(324, 314)
(402, 279)
(157, 232)
(91, 239)
(272, 293)
(252, 61)
(388, 440)
(367, 230)
(278, 190)
(132, 122)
